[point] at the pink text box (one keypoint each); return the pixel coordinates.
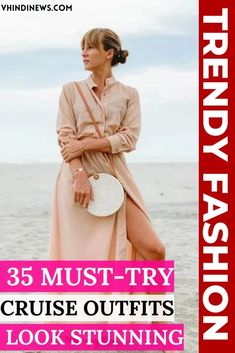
(87, 276)
(89, 337)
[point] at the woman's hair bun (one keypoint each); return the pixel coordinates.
(122, 55)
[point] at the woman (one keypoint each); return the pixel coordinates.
(76, 234)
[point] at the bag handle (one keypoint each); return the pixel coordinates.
(94, 122)
(89, 110)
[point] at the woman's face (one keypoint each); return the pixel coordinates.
(95, 58)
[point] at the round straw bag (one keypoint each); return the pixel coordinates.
(108, 195)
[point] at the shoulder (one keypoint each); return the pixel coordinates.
(69, 86)
(129, 90)
(69, 89)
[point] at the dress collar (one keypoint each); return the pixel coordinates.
(109, 81)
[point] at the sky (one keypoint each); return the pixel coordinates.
(40, 51)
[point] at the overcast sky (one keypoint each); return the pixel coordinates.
(40, 51)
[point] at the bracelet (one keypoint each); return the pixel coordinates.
(81, 169)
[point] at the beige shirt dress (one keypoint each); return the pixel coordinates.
(76, 234)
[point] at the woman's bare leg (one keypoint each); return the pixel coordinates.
(141, 233)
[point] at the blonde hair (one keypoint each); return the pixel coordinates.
(109, 39)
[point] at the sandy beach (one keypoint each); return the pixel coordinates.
(170, 194)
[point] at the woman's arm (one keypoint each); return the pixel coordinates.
(81, 185)
(66, 130)
(73, 149)
(76, 165)
(97, 145)
(126, 137)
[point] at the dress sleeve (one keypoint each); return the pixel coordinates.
(66, 123)
(126, 137)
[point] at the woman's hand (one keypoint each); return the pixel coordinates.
(82, 189)
(72, 149)
(75, 148)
